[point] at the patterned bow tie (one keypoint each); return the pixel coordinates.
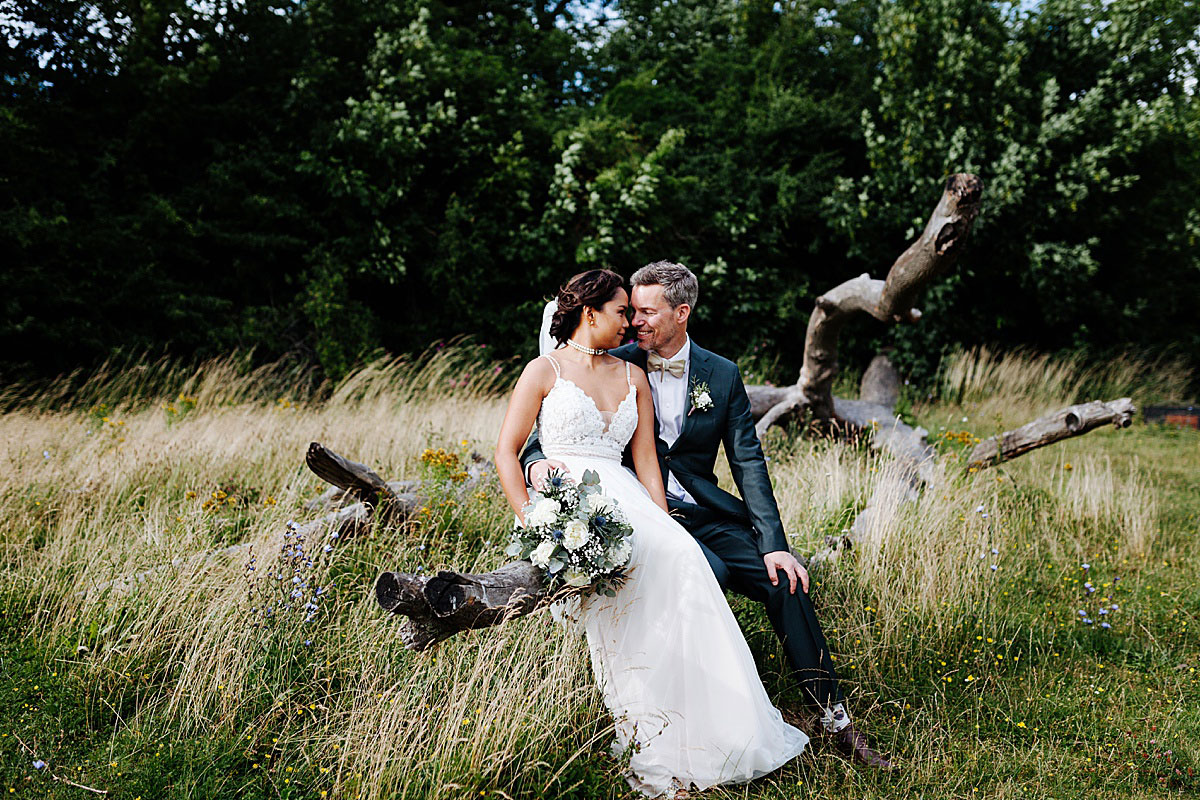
(655, 363)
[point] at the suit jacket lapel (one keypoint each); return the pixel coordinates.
(699, 371)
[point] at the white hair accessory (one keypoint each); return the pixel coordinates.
(546, 342)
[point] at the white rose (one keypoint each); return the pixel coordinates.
(703, 399)
(619, 553)
(600, 503)
(576, 578)
(577, 535)
(540, 557)
(543, 513)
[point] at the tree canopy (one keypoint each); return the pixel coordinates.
(324, 179)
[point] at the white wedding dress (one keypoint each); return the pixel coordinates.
(668, 655)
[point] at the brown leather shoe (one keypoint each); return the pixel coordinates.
(853, 745)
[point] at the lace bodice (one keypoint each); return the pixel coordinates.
(570, 423)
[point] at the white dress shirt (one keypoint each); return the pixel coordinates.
(670, 402)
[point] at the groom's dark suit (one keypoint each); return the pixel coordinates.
(734, 533)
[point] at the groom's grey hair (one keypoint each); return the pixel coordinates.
(679, 283)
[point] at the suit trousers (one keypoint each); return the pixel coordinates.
(740, 568)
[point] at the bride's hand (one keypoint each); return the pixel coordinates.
(540, 469)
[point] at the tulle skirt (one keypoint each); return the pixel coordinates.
(671, 661)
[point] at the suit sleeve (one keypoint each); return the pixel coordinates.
(532, 452)
(749, 469)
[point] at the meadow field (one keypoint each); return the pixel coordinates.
(1025, 631)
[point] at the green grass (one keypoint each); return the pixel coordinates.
(980, 683)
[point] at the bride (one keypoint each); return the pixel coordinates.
(670, 660)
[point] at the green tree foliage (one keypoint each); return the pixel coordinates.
(329, 177)
(436, 175)
(1077, 117)
(147, 200)
(721, 127)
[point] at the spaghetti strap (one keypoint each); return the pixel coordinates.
(553, 363)
(628, 377)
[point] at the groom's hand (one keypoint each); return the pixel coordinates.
(782, 560)
(539, 469)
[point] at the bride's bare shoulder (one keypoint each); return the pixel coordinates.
(538, 373)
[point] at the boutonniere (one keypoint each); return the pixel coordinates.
(701, 399)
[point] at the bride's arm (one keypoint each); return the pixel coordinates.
(522, 412)
(645, 459)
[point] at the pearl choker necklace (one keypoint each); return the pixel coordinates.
(589, 350)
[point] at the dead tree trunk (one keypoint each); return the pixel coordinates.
(888, 300)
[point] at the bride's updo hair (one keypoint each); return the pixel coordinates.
(591, 289)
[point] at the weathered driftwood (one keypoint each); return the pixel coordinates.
(880, 383)
(350, 476)
(763, 398)
(441, 605)
(1062, 424)
(888, 300)
(901, 482)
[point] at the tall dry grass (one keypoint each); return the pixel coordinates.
(1019, 385)
(88, 495)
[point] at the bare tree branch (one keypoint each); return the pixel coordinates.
(889, 300)
(1062, 424)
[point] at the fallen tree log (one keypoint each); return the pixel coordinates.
(880, 383)
(349, 476)
(1062, 424)
(439, 606)
(901, 485)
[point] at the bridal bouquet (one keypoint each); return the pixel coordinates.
(575, 534)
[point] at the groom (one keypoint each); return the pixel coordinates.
(700, 402)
